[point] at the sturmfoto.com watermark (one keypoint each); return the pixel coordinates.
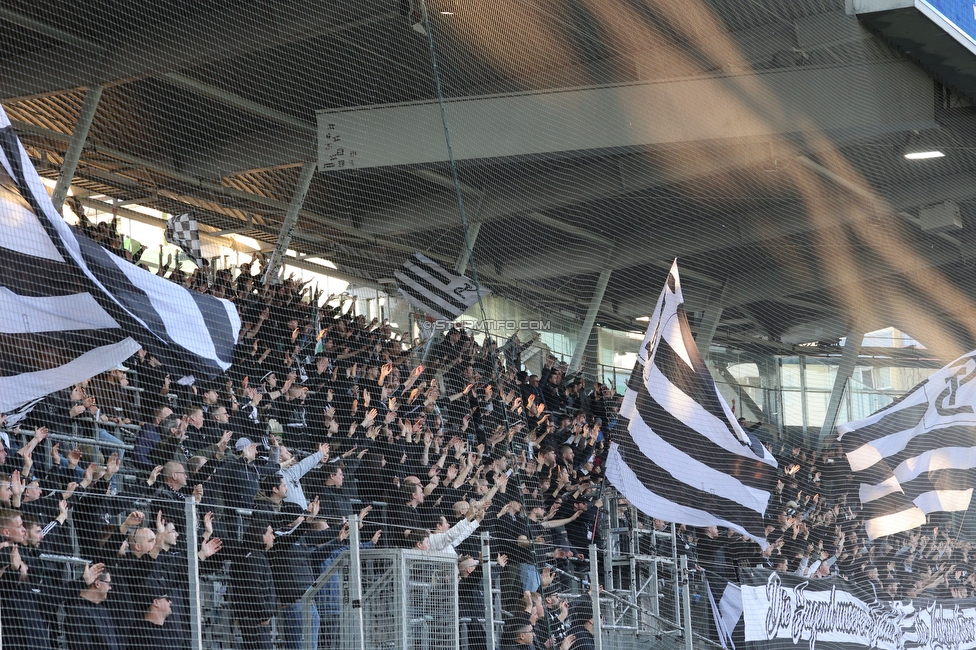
(488, 325)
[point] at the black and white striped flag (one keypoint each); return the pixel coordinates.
(436, 291)
(917, 455)
(69, 309)
(677, 452)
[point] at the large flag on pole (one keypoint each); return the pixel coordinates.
(70, 309)
(678, 452)
(435, 290)
(917, 455)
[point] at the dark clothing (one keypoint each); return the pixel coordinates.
(584, 639)
(90, 627)
(169, 448)
(173, 505)
(236, 481)
(334, 503)
(144, 445)
(144, 635)
(291, 564)
(254, 635)
(252, 585)
(24, 626)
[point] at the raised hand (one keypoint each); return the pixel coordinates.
(209, 548)
(16, 485)
(113, 464)
(370, 418)
(208, 523)
(69, 490)
(91, 572)
(74, 457)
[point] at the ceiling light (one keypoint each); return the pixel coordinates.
(447, 13)
(643, 319)
(921, 146)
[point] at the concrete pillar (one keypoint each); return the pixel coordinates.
(76, 145)
(848, 361)
(471, 236)
(591, 312)
(289, 222)
(710, 321)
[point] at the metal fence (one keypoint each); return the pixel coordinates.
(384, 598)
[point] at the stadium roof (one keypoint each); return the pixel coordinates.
(766, 148)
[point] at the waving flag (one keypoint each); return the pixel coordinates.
(70, 309)
(678, 453)
(917, 455)
(435, 290)
(183, 231)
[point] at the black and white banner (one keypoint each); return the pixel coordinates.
(918, 455)
(787, 611)
(438, 292)
(678, 453)
(70, 309)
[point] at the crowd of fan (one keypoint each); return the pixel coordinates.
(324, 414)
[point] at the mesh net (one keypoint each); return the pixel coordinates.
(291, 262)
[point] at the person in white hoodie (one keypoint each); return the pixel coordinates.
(446, 537)
(294, 471)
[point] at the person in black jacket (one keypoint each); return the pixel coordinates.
(153, 629)
(252, 586)
(89, 624)
(237, 480)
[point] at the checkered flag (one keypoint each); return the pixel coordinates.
(183, 230)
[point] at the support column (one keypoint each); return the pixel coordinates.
(591, 312)
(487, 591)
(595, 598)
(471, 236)
(355, 591)
(710, 321)
(289, 223)
(804, 411)
(76, 145)
(848, 360)
(193, 575)
(745, 400)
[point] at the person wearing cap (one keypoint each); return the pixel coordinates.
(153, 630)
(237, 479)
(209, 396)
